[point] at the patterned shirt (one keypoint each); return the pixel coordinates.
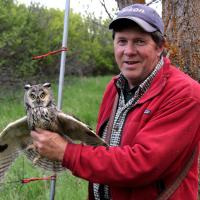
(125, 104)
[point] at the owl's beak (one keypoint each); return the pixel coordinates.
(38, 101)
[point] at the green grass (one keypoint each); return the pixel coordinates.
(81, 97)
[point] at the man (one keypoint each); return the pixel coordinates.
(155, 130)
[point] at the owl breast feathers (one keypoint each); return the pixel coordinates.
(41, 112)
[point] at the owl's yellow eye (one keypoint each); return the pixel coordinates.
(42, 95)
(32, 96)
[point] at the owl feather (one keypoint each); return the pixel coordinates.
(41, 112)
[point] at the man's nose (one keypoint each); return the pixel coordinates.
(130, 49)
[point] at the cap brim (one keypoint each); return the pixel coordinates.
(143, 24)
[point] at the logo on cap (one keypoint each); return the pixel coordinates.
(138, 10)
(130, 9)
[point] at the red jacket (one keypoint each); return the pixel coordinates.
(158, 137)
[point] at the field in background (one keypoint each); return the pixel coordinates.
(81, 97)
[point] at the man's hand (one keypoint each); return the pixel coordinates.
(49, 144)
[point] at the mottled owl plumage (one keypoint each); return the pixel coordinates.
(41, 113)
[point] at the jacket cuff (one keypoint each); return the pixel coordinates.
(70, 155)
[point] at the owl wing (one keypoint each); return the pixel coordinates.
(78, 131)
(14, 138)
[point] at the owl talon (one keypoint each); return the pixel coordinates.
(31, 147)
(34, 148)
(36, 159)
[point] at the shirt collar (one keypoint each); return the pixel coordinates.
(122, 82)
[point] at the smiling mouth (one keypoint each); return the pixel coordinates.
(131, 62)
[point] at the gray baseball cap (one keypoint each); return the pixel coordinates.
(146, 17)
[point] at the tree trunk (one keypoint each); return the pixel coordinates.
(182, 28)
(123, 3)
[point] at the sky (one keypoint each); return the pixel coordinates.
(80, 6)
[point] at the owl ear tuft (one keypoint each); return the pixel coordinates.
(27, 86)
(47, 85)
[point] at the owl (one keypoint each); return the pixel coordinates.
(41, 112)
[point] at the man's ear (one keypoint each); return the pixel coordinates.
(160, 50)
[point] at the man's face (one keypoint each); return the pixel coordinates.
(136, 54)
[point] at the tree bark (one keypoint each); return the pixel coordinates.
(123, 3)
(182, 28)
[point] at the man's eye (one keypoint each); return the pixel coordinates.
(122, 42)
(140, 42)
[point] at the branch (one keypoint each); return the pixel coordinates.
(105, 8)
(152, 1)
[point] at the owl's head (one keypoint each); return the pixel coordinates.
(38, 96)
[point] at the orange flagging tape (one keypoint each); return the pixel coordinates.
(28, 180)
(49, 53)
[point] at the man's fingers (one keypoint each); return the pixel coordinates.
(39, 130)
(34, 134)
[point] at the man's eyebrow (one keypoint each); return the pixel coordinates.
(121, 37)
(135, 38)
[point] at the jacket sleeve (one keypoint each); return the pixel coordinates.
(165, 141)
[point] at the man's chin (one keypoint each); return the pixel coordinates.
(133, 80)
